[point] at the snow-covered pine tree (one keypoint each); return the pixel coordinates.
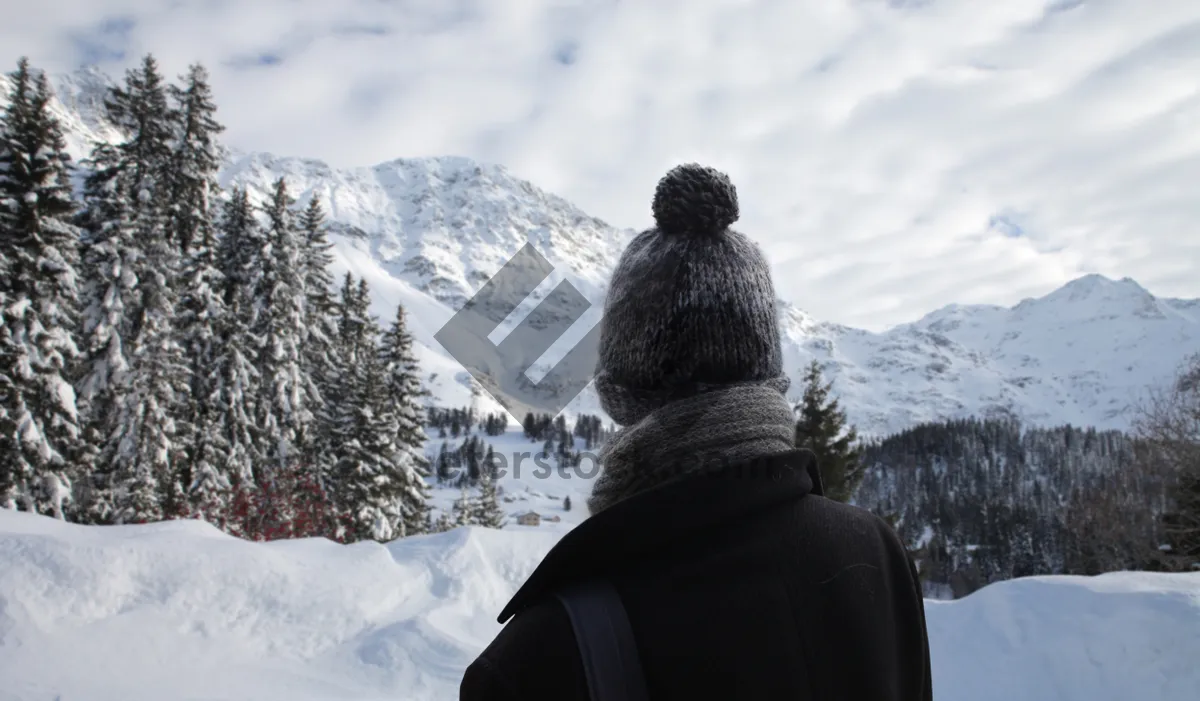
(339, 412)
(464, 508)
(443, 523)
(141, 110)
(202, 314)
(194, 190)
(402, 393)
(39, 249)
(319, 342)
(392, 491)
(10, 478)
(159, 391)
(487, 511)
(283, 408)
(110, 257)
(373, 482)
(348, 321)
(134, 379)
(490, 468)
(237, 379)
(195, 160)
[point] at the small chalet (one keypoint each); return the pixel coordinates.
(531, 518)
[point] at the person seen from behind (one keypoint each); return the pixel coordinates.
(711, 566)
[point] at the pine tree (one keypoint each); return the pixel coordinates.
(134, 377)
(443, 464)
(471, 456)
(443, 523)
(320, 333)
(464, 509)
(283, 408)
(372, 479)
(12, 480)
(194, 188)
(566, 503)
(821, 428)
(490, 468)
(375, 478)
(402, 392)
(202, 315)
(110, 259)
(339, 405)
(38, 244)
(236, 376)
(487, 510)
(140, 109)
(195, 160)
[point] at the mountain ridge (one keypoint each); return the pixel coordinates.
(426, 233)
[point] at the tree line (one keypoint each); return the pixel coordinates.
(982, 500)
(985, 500)
(457, 421)
(169, 350)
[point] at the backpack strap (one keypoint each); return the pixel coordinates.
(605, 640)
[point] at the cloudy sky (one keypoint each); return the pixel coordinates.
(891, 156)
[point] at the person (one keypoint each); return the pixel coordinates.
(738, 579)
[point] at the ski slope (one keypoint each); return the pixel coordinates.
(179, 610)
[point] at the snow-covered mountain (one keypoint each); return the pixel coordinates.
(426, 233)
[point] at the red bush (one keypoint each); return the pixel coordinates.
(289, 503)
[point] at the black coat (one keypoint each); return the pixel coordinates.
(742, 585)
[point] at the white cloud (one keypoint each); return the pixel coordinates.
(892, 156)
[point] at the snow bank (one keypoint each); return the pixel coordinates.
(179, 610)
(1128, 635)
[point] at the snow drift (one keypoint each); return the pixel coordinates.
(179, 610)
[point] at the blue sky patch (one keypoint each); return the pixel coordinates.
(258, 60)
(1006, 225)
(107, 42)
(566, 53)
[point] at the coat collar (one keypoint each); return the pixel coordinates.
(658, 516)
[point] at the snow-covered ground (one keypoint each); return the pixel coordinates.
(179, 610)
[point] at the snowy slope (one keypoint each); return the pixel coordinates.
(426, 233)
(178, 610)
(523, 484)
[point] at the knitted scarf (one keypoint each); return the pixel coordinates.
(723, 426)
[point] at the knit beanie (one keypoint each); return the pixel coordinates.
(691, 305)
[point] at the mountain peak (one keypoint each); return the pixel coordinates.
(1098, 295)
(1093, 283)
(428, 232)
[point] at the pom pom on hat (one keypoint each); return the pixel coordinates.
(695, 200)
